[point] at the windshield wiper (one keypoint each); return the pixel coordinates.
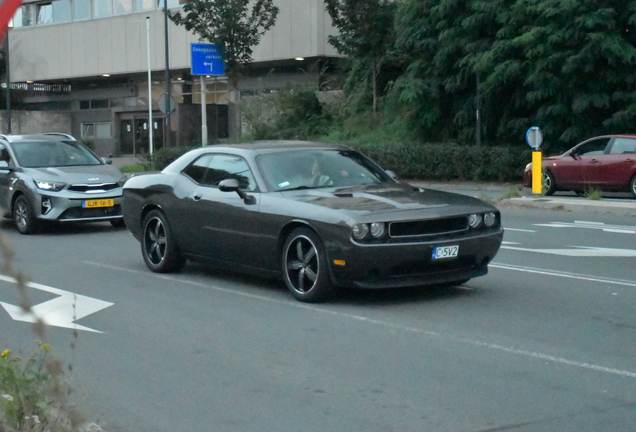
(300, 188)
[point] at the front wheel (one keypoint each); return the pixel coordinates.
(549, 185)
(158, 245)
(304, 265)
(24, 216)
(632, 186)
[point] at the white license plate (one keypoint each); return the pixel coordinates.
(445, 252)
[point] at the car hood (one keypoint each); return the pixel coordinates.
(77, 174)
(391, 198)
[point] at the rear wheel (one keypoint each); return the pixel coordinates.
(304, 265)
(549, 185)
(158, 245)
(24, 216)
(632, 186)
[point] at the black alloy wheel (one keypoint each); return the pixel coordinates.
(158, 245)
(305, 266)
(24, 216)
(549, 185)
(632, 186)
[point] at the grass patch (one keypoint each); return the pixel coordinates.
(593, 194)
(512, 192)
(140, 167)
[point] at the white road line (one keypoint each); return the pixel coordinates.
(580, 251)
(621, 229)
(564, 274)
(386, 324)
(519, 229)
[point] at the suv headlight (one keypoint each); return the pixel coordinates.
(49, 185)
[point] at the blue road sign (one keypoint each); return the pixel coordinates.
(206, 60)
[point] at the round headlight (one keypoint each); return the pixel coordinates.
(360, 231)
(377, 229)
(474, 220)
(490, 219)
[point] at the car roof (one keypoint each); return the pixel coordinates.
(273, 146)
(52, 136)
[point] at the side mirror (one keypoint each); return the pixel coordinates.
(392, 175)
(107, 161)
(232, 185)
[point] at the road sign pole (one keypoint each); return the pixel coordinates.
(204, 117)
(537, 184)
(150, 143)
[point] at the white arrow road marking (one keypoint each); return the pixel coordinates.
(581, 252)
(621, 229)
(61, 311)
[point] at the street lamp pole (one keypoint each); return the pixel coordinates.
(168, 128)
(7, 78)
(150, 125)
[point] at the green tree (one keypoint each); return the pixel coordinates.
(231, 25)
(366, 33)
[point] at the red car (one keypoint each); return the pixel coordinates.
(606, 163)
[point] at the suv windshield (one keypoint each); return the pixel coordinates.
(314, 168)
(38, 154)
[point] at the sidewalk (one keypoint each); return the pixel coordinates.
(613, 203)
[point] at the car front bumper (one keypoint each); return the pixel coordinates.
(411, 264)
(71, 207)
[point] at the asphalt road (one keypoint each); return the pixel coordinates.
(544, 342)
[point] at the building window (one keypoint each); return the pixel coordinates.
(94, 104)
(81, 10)
(102, 8)
(123, 7)
(99, 130)
(23, 16)
(58, 11)
(144, 5)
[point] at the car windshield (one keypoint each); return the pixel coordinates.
(38, 154)
(304, 169)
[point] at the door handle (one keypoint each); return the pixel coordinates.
(197, 197)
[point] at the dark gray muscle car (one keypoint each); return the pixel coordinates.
(318, 216)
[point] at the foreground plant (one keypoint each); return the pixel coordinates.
(33, 395)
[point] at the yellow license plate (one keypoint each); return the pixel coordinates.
(98, 203)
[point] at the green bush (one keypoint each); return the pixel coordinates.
(165, 156)
(450, 161)
(32, 395)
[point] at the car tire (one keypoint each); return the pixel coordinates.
(548, 183)
(632, 186)
(304, 265)
(158, 245)
(24, 216)
(118, 223)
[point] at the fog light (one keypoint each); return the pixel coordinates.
(46, 205)
(490, 219)
(474, 220)
(360, 231)
(377, 229)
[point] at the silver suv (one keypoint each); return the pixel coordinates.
(53, 177)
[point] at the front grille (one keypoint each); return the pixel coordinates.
(93, 188)
(428, 227)
(91, 213)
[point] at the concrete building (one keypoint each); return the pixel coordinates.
(81, 67)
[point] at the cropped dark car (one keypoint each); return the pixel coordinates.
(606, 163)
(53, 177)
(318, 216)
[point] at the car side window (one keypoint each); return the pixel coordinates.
(224, 167)
(197, 169)
(623, 146)
(592, 148)
(4, 154)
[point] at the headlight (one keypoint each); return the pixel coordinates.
(490, 219)
(474, 220)
(528, 167)
(49, 185)
(122, 181)
(360, 231)
(377, 229)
